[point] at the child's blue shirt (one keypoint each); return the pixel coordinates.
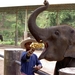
(28, 64)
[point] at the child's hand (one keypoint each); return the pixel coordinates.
(37, 67)
(30, 52)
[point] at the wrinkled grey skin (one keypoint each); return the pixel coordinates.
(60, 39)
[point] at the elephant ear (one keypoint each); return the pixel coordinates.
(70, 52)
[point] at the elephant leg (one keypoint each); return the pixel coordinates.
(66, 62)
(57, 67)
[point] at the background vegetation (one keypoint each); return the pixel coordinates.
(45, 19)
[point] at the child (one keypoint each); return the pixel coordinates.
(29, 60)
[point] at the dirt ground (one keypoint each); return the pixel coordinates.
(47, 65)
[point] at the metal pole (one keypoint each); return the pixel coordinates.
(16, 31)
(2, 56)
(25, 32)
(57, 17)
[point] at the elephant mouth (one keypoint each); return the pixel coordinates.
(44, 51)
(46, 45)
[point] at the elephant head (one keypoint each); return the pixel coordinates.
(59, 40)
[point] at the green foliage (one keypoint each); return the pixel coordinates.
(67, 17)
(20, 30)
(52, 18)
(8, 42)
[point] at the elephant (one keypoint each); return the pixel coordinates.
(59, 41)
(1, 37)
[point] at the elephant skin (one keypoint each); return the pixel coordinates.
(59, 41)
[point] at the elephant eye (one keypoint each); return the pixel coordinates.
(57, 32)
(72, 31)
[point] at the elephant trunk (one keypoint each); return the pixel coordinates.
(34, 29)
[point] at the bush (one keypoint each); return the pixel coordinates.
(8, 42)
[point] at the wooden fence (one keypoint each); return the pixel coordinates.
(12, 62)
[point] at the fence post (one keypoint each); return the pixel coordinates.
(67, 71)
(10, 55)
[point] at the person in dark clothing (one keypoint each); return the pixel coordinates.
(29, 60)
